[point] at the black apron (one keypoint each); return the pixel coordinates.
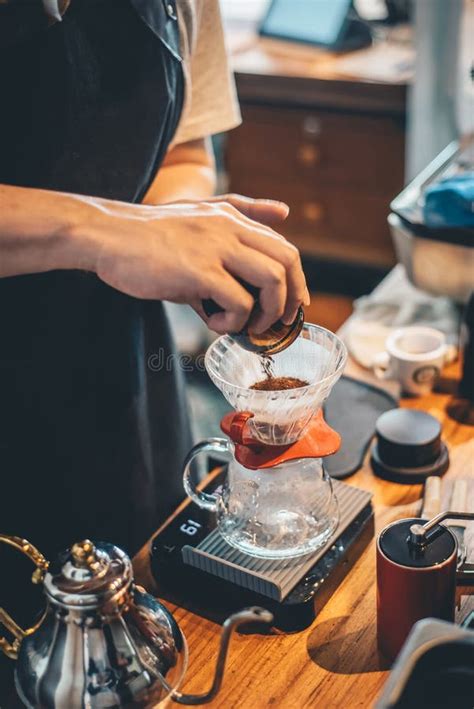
(93, 422)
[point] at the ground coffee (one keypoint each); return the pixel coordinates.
(279, 384)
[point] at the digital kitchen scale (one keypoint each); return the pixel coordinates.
(195, 568)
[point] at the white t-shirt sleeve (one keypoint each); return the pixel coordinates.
(211, 104)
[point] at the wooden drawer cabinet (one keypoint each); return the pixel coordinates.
(337, 222)
(338, 171)
(320, 146)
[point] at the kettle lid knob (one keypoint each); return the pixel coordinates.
(89, 574)
(84, 555)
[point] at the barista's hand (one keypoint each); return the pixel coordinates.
(189, 251)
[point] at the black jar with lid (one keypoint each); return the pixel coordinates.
(408, 447)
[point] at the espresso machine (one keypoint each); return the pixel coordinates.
(432, 227)
(271, 528)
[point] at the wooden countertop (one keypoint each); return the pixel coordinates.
(333, 663)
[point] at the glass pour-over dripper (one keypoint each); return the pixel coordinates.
(279, 417)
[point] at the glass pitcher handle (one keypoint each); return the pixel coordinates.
(11, 649)
(203, 499)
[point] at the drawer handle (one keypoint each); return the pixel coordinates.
(312, 126)
(313, 212)
(308, 155)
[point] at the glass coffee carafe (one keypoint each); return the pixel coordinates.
(277, 500)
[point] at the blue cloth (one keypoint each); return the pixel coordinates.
(450, 202)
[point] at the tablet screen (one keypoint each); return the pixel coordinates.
(314, 21)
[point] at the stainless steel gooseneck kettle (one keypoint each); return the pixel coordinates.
(102, 640)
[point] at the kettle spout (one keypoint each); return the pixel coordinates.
(247, 615)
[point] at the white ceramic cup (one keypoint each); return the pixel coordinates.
(414, 356)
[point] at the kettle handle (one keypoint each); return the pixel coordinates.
(203, 499)
(11, 649)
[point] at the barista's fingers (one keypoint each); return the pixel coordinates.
(265, 211)
(269, 276)
(237, 303)
(288, 255)
(197, 306)
(292, 305)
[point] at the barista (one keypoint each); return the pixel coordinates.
(105, 111)
(101, 112)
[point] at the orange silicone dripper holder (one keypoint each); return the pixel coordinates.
(318, 441)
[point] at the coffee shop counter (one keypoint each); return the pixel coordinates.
(334, 662)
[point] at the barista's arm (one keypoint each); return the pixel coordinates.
(188, 172)
(184, 252)
(36, 231)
